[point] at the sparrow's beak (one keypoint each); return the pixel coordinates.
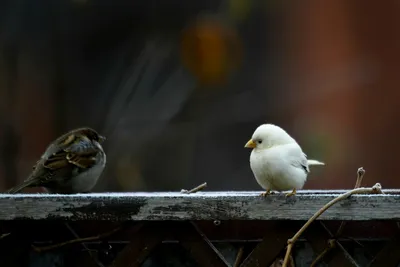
(250, 144)
(102, 139)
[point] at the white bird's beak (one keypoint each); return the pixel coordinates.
(250, 144)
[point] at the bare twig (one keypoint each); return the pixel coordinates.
(239, 257)
(94, 258)
(332, 242)
(360, 176)
(77, 240)
(4, 235)
(291, 261)
(194, 190)
(279, 261)
(376, 189)
(331, 245)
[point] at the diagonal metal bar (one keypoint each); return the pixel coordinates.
(265, 253)
(338, 258)
(388, 256)
(198, 245)
(321, 241)
(347, 254)
(143, 242)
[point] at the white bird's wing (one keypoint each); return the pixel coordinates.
(296, 157)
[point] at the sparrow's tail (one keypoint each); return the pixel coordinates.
(314, 162)
(18, 188)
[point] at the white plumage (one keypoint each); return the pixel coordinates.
(277, 161)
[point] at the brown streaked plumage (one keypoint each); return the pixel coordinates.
(71, 164)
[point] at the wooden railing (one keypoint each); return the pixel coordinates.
(200, 229)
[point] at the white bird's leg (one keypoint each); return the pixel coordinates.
(291, 193)
(266, 193)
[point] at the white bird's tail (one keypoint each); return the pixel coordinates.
(314, 162)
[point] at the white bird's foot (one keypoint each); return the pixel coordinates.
(267, 193)
(291, 193)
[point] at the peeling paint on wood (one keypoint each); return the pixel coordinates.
(198, 206)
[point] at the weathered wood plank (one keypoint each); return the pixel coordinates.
(199, 206)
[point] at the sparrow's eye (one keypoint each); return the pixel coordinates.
(259, 141)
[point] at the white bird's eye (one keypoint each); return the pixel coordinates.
(259, 141)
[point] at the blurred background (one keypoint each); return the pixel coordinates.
(178, 87)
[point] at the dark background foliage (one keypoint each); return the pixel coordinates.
(178, 87)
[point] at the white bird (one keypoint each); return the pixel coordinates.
(277, 161)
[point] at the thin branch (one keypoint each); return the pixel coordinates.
(239, 257)
(77, 240)
(332, 242)
(376, 189)
(331, 245)
(4, 235)
(94, 258)
(194, 190)
(291, 261)
(360, 176)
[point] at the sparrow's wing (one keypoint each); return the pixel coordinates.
(43, 175)
(297, 158)
(69, 154)
(80, 153)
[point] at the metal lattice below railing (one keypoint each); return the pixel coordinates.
(201, 229)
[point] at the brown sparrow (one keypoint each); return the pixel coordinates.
(71, 164)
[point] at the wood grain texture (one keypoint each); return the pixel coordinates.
(199, 206)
